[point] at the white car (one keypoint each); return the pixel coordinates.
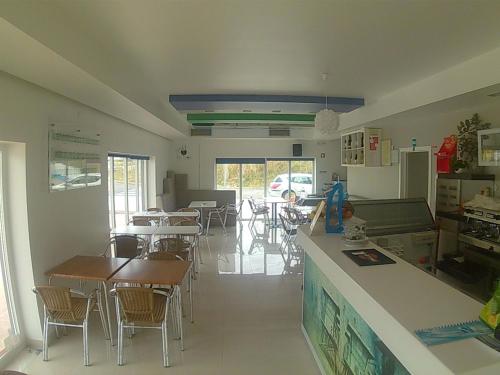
(79, 181)
(301, 185)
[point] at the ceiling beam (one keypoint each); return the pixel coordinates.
(262, 103)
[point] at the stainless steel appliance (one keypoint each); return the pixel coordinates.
(476, 263)
(404, 227)
(452, 191)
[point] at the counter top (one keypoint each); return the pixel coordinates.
(396, 299)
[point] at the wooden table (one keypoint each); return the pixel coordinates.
(162, 272)
(94, 268)
(179, 230)
(201, 205)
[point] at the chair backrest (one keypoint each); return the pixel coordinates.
(171, 244)
(141, 222)
(164, 255)
(126, 246)
(55, 298)
(284, 222)
(239, 206)
(136, 304)
(154, 209)
(252, 204)
(187, 222)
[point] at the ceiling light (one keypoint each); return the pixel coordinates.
(326, 120)
(247, 110)
(276, 111)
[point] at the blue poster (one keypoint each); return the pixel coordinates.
(342, 340)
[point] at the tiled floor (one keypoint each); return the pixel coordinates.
(247, 320)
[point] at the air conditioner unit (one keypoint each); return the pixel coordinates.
(279, 132)
(201, 132)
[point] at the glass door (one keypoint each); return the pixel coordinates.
(278, 178)
(228, 178)
(252, 185)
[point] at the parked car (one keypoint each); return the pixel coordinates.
(301, 185)
(79, 181)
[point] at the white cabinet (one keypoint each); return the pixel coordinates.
(361, 148)
(488, 147)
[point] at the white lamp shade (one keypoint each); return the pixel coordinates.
(326, 121)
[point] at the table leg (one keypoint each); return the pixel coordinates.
(275, 214)
(108, 315)
(201, 218)
(191, 296)
(179, 315)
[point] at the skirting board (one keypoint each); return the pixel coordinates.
(309, 343)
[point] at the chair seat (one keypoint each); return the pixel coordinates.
(79, 311)
(157, 315)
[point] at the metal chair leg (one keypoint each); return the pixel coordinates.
(101, 314)
(86, 360)
(120, 344)
(222, 223)
(45, 344)
(208, 223)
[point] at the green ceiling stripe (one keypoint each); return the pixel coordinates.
(257, 117)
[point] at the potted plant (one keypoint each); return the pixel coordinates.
(467, 141)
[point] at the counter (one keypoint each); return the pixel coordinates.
(361, 320)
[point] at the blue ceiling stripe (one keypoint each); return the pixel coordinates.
(264, 99)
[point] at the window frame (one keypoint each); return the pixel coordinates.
(6, 271)
(141, 184)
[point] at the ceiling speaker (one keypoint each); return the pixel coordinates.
(297, 149)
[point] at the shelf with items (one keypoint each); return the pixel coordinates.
(489, 147)
(361, 148)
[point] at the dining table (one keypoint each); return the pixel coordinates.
(160, 272)
(200, 205)
(91, 268)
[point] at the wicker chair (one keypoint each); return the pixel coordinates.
(140, 221)
(60, 308)
(194, 240)
(217, 213)
(189, 209)
(126, 246)
(176, 246)
(142, 308)
(234, 210)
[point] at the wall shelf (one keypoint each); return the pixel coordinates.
(361, 148)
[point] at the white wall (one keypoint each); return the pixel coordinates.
(429, 129)
(200, 167)
(63, 224)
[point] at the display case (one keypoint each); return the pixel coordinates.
(488, 147)
(405, 227)
(362, 148)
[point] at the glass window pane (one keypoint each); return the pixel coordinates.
(132, 187)
(120, 191)
(302, 172)
(277, 178)
(228, 178)
(252, 185)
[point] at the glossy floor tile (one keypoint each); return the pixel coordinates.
(247, 319)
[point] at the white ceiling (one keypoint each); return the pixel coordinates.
(149, 49)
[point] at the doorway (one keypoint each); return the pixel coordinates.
(415, 173)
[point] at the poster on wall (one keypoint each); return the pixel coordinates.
(74, 159)
(342, 340)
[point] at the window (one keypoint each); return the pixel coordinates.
(9, 329)
(127, 187)
(260, 178)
